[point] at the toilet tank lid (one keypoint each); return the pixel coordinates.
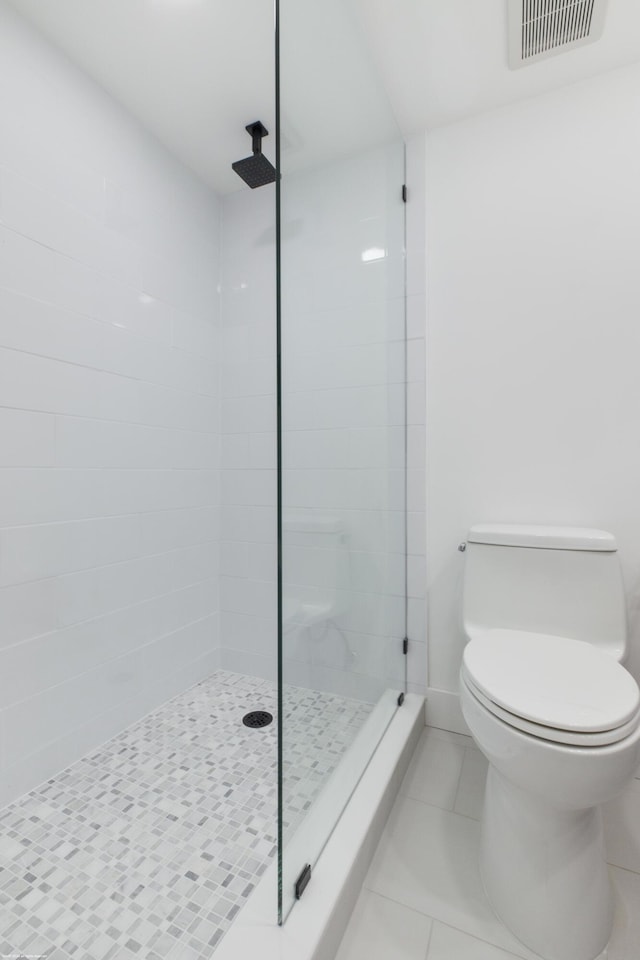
(549, 538)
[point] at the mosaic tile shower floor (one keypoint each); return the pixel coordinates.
(149, 847)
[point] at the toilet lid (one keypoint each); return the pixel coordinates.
(575, 738)
(553, 681)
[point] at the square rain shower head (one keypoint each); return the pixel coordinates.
(256, 171)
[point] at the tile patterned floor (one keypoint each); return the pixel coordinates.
(423, 899)
(149, 847)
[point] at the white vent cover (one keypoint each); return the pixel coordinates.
(542, 28)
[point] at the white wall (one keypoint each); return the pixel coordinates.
(343, 410)
(109, 416)
(533, 220)
(248, 524)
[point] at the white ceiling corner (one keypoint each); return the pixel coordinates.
(194, 72)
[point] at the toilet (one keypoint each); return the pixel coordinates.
(549, 703)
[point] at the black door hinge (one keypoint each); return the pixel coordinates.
(303, 880)
(405, 646)
(404, 192)
(401, 699)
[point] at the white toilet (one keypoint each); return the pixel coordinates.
(549, 704)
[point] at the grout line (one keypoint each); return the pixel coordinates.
(455, 797)
(508, 953)
(634, 873)
(101, 664)
(430, 938)
(127, 423)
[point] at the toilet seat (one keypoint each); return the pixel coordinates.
(568, 737)
(555, 688)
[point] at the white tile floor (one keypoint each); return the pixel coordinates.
(423, 899)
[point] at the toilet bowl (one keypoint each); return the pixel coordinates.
(558, 719)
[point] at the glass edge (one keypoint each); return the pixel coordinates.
(406, 415)
(280, 778)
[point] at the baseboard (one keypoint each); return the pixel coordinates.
(443, 711)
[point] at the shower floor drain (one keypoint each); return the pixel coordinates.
(257, 718)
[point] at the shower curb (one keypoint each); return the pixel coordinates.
(317, 923)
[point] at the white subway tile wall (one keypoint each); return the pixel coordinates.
(137, 431)
(109, 416)
(248, 628)
(343, 414)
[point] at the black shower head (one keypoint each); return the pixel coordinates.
(256, 171)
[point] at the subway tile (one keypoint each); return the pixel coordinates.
(91, 593)
(26, 439)
(47, 550)
(28, 610)
(416, 533)
(248, 379)
(234, 558)
(174, 529)
(262, 451)
(235, 451)
(248, 487)
(416, 403)
(37, 214)
(195, 336)
(416, 577)
(323, 449)
(416, 361)
(248, 414)
(417, 661)
(417, 271)
(30, 668)
(252, 635)
(417, 620)
(109, 420)
(262, 561)
(416, 446)
(195, 563)
(61, 708)
(255, 598)
(82, 442)
(29, 382)
(416, 490)
(173, 651)
(372, 613)
(416, 316)
(34, 270)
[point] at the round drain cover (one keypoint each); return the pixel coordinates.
(257, 718)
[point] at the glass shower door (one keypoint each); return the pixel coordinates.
(342, 362)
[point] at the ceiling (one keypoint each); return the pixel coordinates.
(194, 72)
(443, 60)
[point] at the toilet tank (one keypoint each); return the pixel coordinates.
(564, 581)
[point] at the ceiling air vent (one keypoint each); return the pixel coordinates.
(543, 28)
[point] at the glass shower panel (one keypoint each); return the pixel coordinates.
(342, 431)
